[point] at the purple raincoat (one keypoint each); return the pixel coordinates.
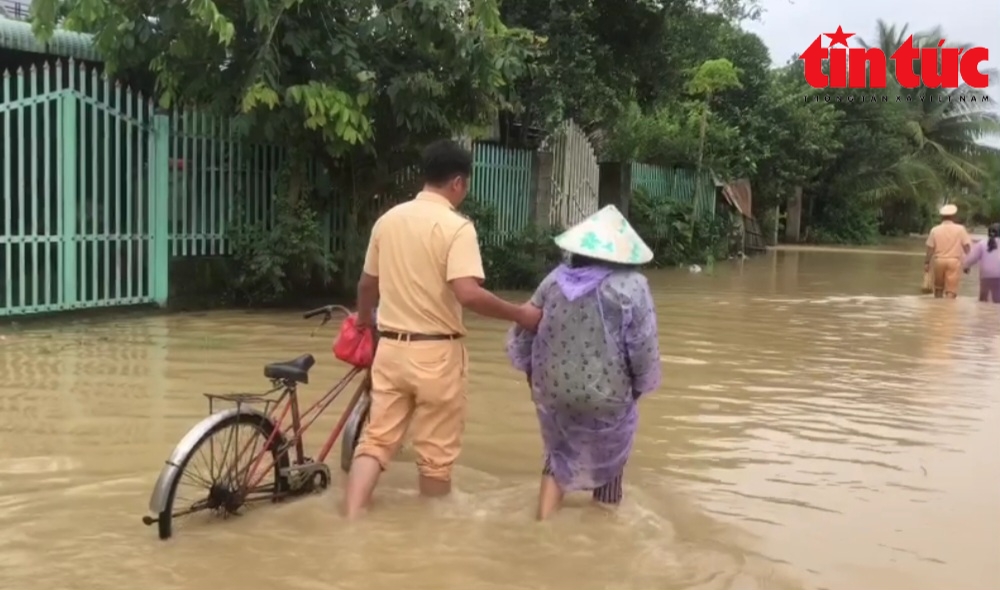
(595, 353)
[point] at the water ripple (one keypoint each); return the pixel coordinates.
(819, 426)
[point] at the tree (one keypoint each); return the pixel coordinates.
(663, 121)
(351, 81)
(712, 77)
(943, 126)
(794, 138)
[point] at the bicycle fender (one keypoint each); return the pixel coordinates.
(352, 430)
(172, 469)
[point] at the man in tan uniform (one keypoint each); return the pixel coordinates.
(947, 245)
(422, 267)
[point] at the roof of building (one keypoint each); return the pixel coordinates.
(15, 34)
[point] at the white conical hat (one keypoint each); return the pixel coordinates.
(606, 235)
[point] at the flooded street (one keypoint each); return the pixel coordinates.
(820, 426)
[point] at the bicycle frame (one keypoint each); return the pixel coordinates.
(287, 405)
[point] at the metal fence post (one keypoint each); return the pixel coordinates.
(159, 208)
(68, 144)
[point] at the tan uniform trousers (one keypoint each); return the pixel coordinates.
(420, 386)
(947, 274)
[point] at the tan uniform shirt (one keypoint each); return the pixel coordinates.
(416, 248)
(947, 239)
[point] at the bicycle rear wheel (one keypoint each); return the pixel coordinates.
(214, 477)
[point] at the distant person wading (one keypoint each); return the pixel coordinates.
(987, 255)
(947, 246)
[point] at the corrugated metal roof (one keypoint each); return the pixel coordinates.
(17, 35)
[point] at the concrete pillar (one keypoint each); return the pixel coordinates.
(793, 219)
(615, 186)
(541, 188)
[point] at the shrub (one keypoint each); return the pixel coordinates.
(520, 261)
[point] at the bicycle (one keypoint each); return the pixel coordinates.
(232, 487)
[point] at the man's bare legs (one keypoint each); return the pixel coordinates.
(433, 488)
(364, 476)
(361, 482)
(549, 497)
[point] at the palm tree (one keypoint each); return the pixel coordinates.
(945, 130)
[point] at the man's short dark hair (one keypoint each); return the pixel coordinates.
(443, 160)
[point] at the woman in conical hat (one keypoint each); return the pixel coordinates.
(594, 355)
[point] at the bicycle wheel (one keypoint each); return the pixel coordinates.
(352, 431)
(227, 450)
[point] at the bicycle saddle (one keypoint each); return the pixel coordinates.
(296, 370)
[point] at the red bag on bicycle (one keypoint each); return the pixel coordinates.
(354, 346)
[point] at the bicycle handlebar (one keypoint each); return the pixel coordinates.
(315, 312)
(327, 311)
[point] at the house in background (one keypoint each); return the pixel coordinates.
(15, 9)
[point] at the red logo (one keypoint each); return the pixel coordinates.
(857, 67)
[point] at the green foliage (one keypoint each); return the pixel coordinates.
(344, 79)
(670, 136)
(981, 206)
(712, 77)
(700, 108)
(519, 262)
(273, 260)
(845, 221)
(792, 140)
(676, 236)
(601, 56)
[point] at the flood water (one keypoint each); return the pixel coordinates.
(820, 425)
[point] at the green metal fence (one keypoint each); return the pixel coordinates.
(683, 186)
(501, 178)
(215, 177)
(81, 225)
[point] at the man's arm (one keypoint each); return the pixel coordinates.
(465, 276)
(367, 299)
(368, 292)
(966, 241)
(931, 246)
(972, 258)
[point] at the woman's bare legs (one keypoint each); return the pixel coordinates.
(549, 497)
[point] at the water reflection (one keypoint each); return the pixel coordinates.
(820, 426)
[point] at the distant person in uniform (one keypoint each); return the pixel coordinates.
(421, 268)
(947, 246)
(595, 354)
(987, 255)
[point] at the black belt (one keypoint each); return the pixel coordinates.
(399, 336)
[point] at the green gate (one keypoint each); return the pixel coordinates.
(83, 181)
(677, 184)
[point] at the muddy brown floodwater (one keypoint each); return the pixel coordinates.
(820, 426)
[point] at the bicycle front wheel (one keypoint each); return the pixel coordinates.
(218, 477)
